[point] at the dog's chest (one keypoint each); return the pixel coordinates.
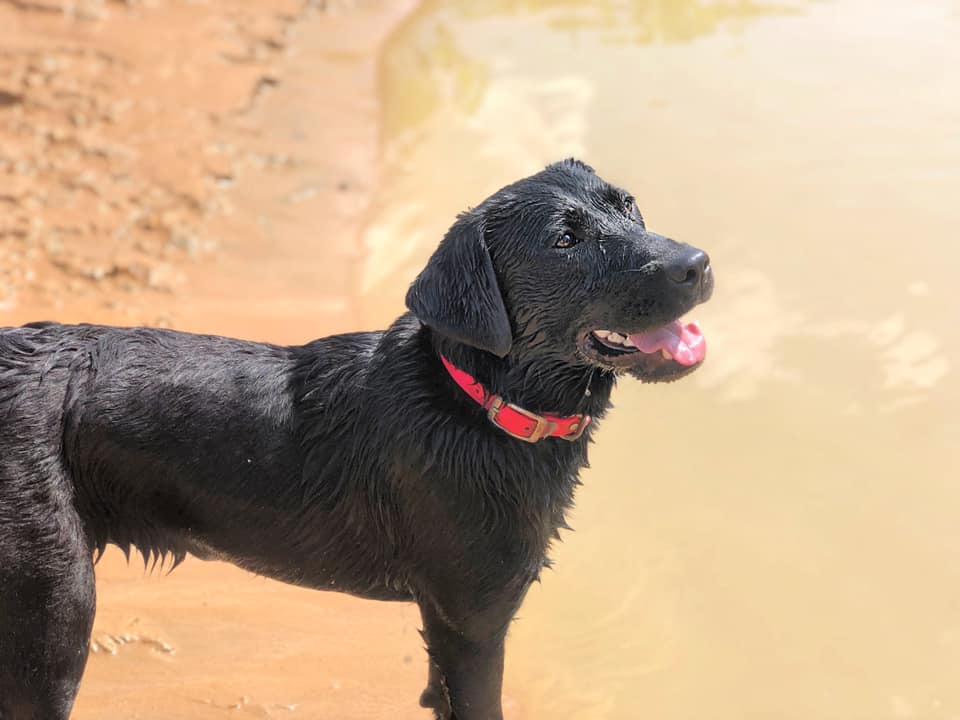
(509, 505)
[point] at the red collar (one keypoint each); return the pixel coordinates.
(514, 420)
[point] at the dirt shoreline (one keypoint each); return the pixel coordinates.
(186, 165)
(149, 182)
(113, 147)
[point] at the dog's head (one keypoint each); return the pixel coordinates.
(559, 266)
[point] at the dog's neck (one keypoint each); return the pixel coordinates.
(536, 384)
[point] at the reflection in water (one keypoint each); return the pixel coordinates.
(639, 22)
(428, 68)
(777, 536)
(456, 71)
(756, 320)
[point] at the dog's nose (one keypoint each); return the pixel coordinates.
(689, 268)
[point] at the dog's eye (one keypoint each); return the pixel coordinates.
(630, 207)
(567, 240)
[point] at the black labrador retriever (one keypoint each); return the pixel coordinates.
(431, 462)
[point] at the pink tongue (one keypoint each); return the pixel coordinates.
(685, 342)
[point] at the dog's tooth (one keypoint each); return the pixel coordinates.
(627, 342)
(616, 337)
(666, 355)
(601, 333)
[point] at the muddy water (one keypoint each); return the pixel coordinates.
(778, 536)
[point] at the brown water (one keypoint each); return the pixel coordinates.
(778, 536)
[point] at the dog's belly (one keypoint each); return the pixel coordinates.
(275, 534)
(306, 571)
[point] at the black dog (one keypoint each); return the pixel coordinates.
(432, 462)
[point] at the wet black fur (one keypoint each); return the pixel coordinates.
(352, 463)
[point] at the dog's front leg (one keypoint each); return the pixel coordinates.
(466, 661)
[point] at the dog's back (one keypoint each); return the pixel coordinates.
(129, 418)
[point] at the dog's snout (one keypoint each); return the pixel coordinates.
(689, 268)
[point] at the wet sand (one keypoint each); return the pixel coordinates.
(210, 641)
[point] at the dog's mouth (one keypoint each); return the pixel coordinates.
(666, 352)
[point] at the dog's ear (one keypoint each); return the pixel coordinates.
(457, 293)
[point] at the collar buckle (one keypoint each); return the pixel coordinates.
(577, 429)
(542, 427)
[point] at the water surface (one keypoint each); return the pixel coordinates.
(777, 536)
